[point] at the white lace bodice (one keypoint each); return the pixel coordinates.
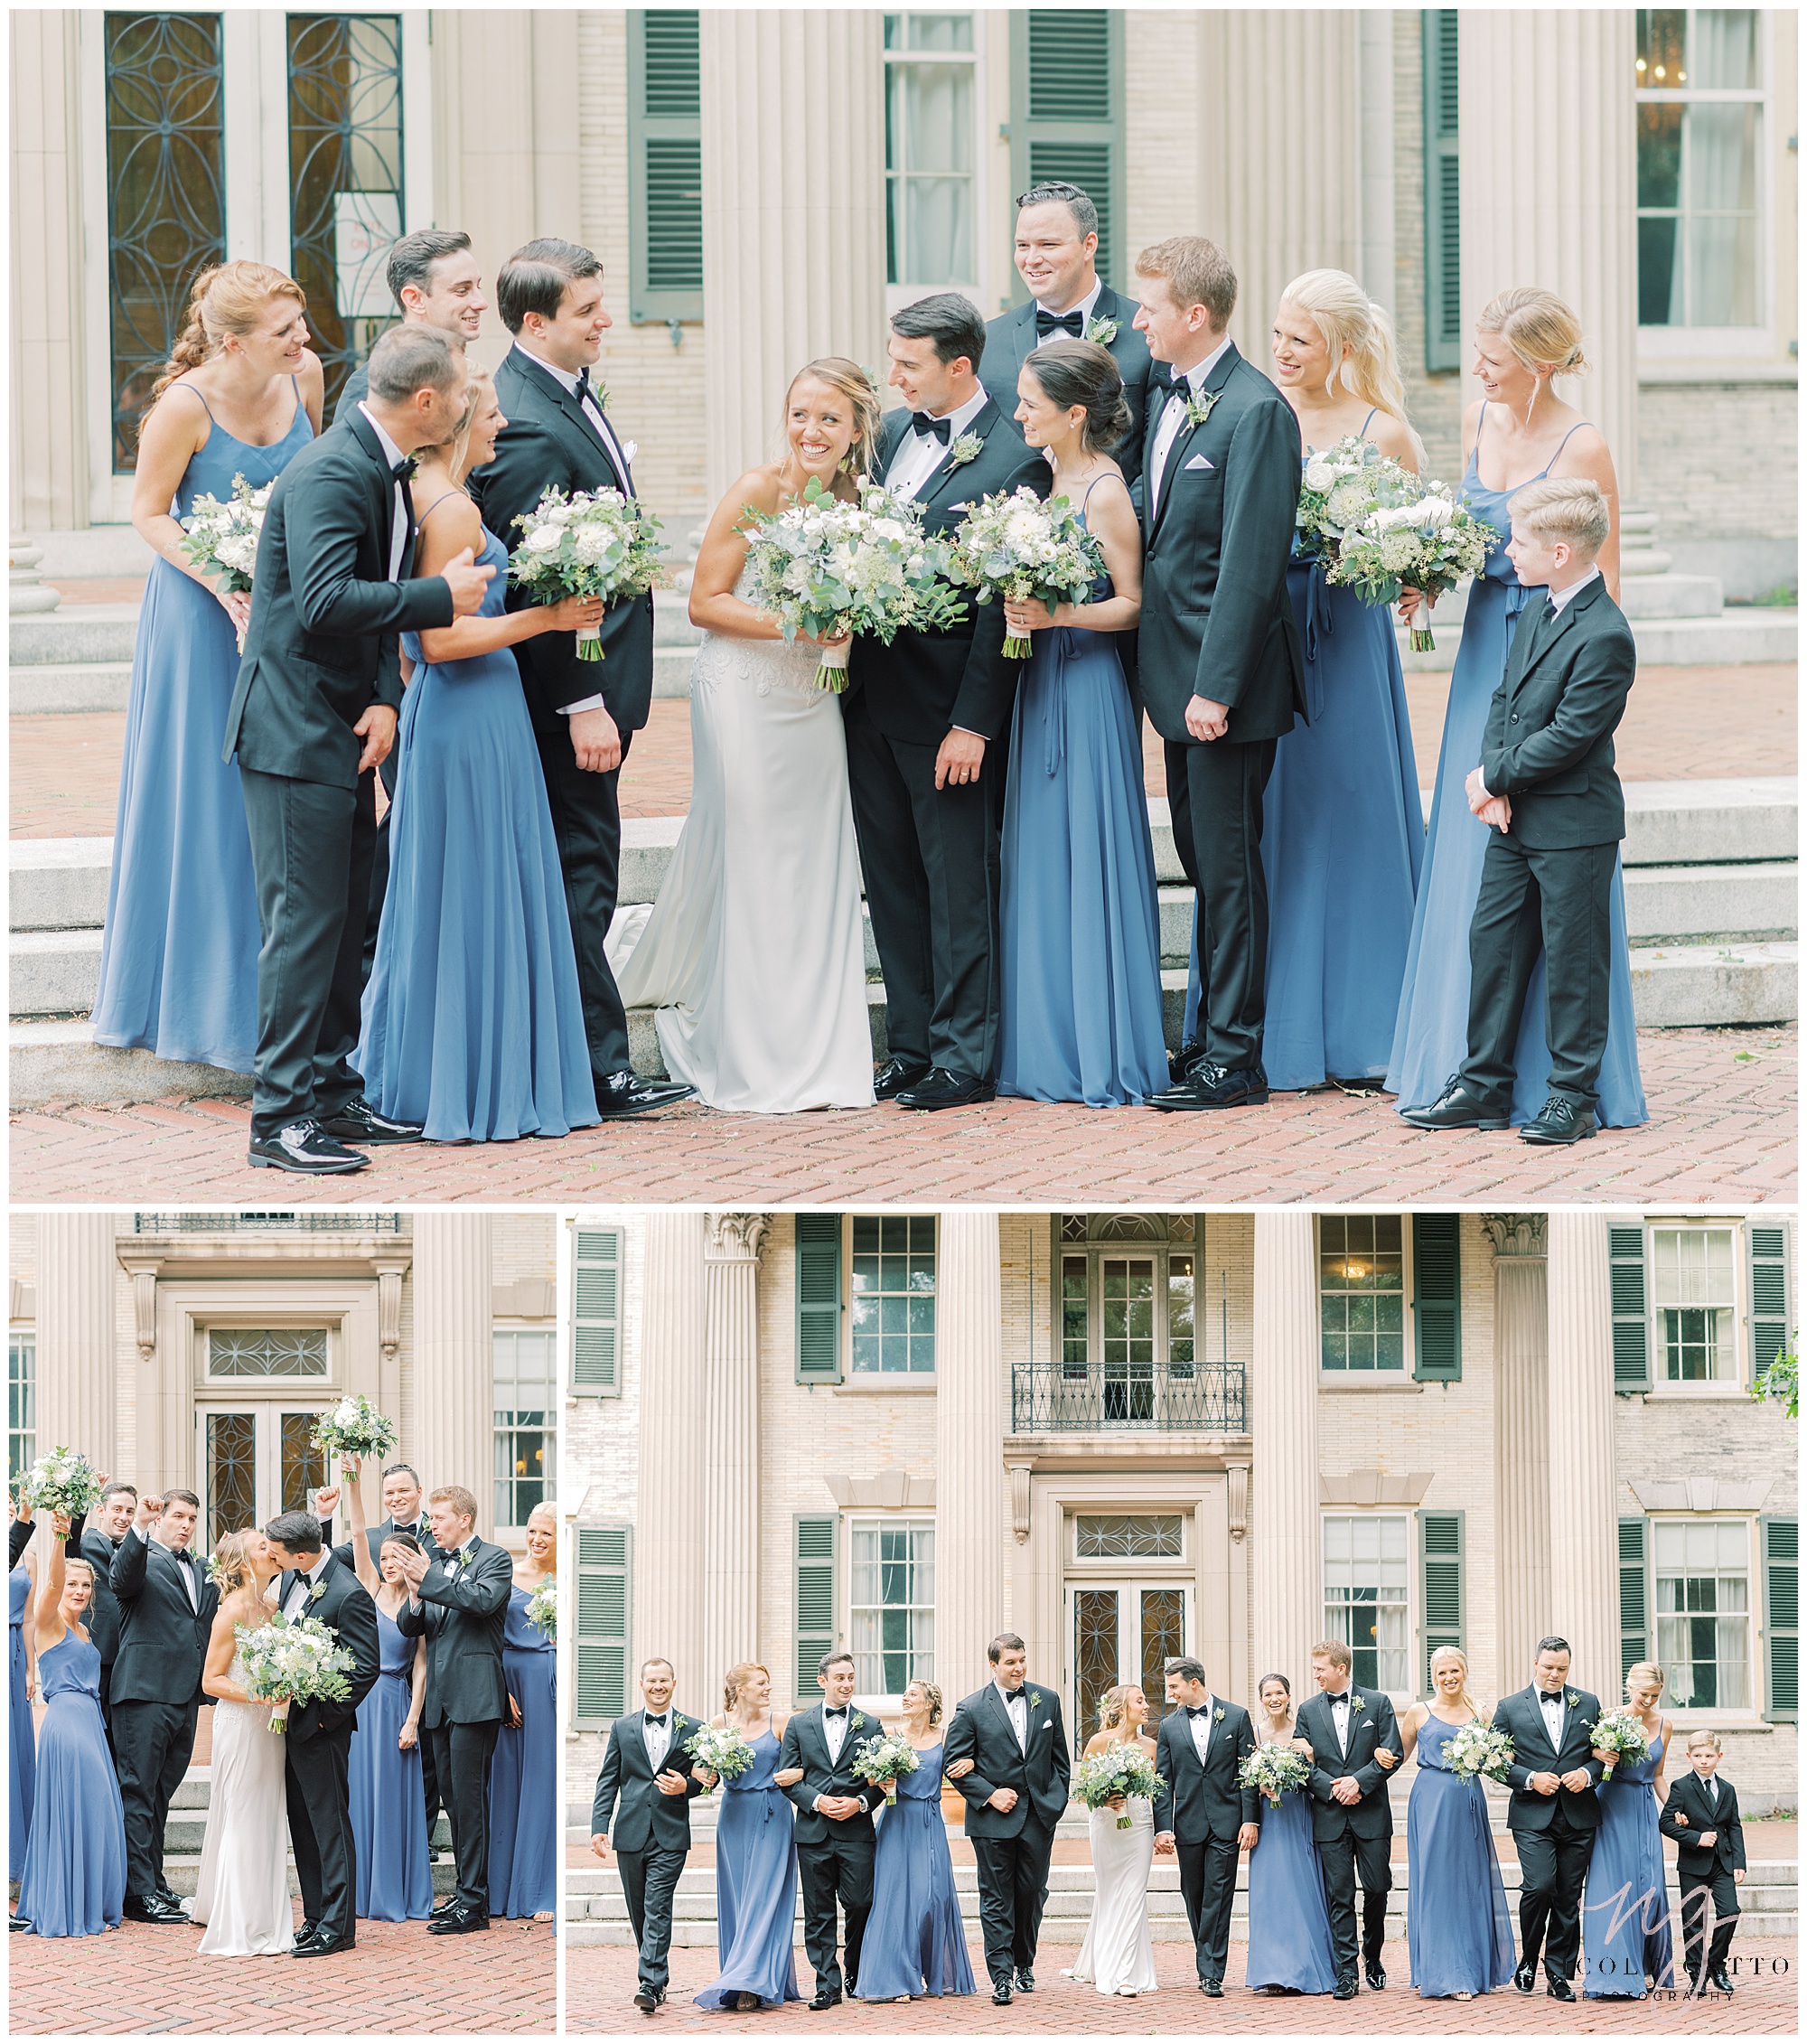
(760, 665)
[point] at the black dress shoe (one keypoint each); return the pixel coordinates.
(947, 1089)
(826, 1998)
(358, 1122)
(304, 1145)
(897, 1076)
(443, 1909)
(1721, 1980)
(1560, 1120)
(1209, 1086)
(626, 1092)
(458, 1922)
(305, 1936)
(1377, 1979)
(19, 1923)
(1182, 1061)
(1525, 1978)
(168, 1894)
(153, 1908)
(647, 1999)
(319, 1947)
(1559, 1990)
(1458, 1107)
(1000, 1993)
(1344, 1990)
(1214, 1988)
(1026, 1981)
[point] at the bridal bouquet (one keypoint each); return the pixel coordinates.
(884, 1758)
(593, 543)
(1429, 544)
(354, 1427)
(1119, 1770)
(1274, 1768)
(721, 1750)
(827, 568)
(1020, 547)
(221, 539)
(62, 1481)
(1479, 1749)
(542, 1607)
(298, 1658)
(1342, 486)
(1619, 1733)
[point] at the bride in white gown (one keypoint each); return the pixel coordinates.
(1117, 1956)
(242, 1893)
(754, 954)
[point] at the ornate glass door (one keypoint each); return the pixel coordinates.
(254, 1461)
(1122, 1632)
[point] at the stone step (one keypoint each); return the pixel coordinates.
(1646, 597)
(58, 883)
(1692, 901)
(1724, 823)
(69, 688)
(79, 634)
(1700, 986)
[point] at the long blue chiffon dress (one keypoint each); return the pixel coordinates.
(179, 953)
(1289, 1922)
(21, 1735)
(73, 1881)
(524, 1772)
(1430, 1036)
(914, 1943)
(755, 1886)
(1458, 1928)
(388, 1808)
(1625, 1917)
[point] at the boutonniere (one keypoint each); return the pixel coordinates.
(1358, 1705)
(1573, 1700)
(965, 449)
(316, 1593)
(855, 1721)
(1217, 1715)
(1200, 404)
(1034, 1702)
(1103, 331)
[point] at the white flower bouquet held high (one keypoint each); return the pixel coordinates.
(1023, 548)
(1428, 545)
(721, 1750)
(591, 543)
(1619, 1733)
(830, 569)
(884, 1758)
(542, 1607)
(1479, 1749)
(221, 538)
(1341, 486)
(298, 1659)
(1118, 1770)
(354, 1427)
(1274, 1768)
(61, 1481)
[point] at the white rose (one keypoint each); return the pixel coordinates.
(1434, 513)
(1318, 475)
(544, 540)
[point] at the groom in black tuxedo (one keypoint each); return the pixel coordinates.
(1016, 1795)
(835, 1841)
(313, 714)
(584, 713)
(1353, 1736)
(1205, 1815)
(927, 717)
(1221, 672)
(318, 1742)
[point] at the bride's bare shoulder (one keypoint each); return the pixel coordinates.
(760, 487)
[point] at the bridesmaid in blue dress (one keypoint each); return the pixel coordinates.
(1289, 1947)
(1521, 432)
(73, 1881)
(755, 1858)
(914, 1942)
(240, 396)
(1080, 1018)
(472, 1022)
(524, 1772)
(1458, 1928)
(22, 1736)
(1625, 1917)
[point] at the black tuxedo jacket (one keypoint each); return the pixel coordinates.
(1549, 741)
(1204, 1799)
(1216, 619)
(1369, 1729)
(647, 1817)
(89, 1545)
(345, 1606)
(548, 440)
(162, 1639)
(322, 644)
(462, 1613)
(979, 1731)
(374, 1537)
(1522, 1716)
(1688, 1795)
(18, 1539)
(923, 684)
(1011, 338)
(806, 1746)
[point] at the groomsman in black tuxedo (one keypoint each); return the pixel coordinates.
(166, 1608)
(1016, 1797)
(313, 714)
(19, 1535)
(1221, 672)
(1205, 1815)
(1553, 1814)
(584, 714)
(99, 1545)
(927, 717)
(835, 1841)
(644, 1795)
(1353, 1736)
(459, 1603)
(1057, 259)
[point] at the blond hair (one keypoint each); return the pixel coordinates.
(481, 385)
(1643, 1675)
(1197, 272)
(462, 1501)
(735, 1681)
(1363, 357)
(850, 382)
(1113, 1708)
(1335, 1652)
(932, 1696)
(228, 298)
(1461, 1659)
(231, 1563)
(1543, 331)
(1564, 507)
(1704, 1737)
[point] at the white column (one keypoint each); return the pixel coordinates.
(730, 1417)
(77, 1272)
(1583, 1516)
(1287, 1566)
(971, 1522)
(793, 212)
(669, 1523)
(453, 1423)
(1521, 1439)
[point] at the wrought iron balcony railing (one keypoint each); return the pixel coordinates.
(1059, 1398)
(269, 1224)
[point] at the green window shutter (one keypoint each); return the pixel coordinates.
(814, 1538)
(1630, 1316)
(1633, 1594)
(1436, 1297)
(1442, 174)
(819, 1300)
(600, 1694)
(1443, 1604)
(595, 1316)
(665, 165)
(1782, 1617)
(1769, 1295)
(1066, 112)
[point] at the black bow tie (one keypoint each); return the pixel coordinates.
(583, 390)
(183, 1556)
(403, 470)
(652, 1721)
(834, 1710)
(922, 426)
(1197, 1710)
(1010, 1695)
(1047, 322)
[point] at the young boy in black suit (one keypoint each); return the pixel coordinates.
(1701, 1816)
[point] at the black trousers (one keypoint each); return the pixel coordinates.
(649, 1880)
(1559, 903)
(586, 822)
(1341, 1860)
(837, 1870)
(1553, 1875)
(429, 1782)
(310, 849)
(152, 1743)
(930, 864)
(1208, 1884)
(461, 1766)
(1214, 795)
(380, 857)
(1013, 1886)
(318, 1772)
(1698, 1890)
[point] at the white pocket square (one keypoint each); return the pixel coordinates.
(1198, 461)
(1047, 1724)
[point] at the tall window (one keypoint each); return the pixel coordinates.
(1695, 1272)
(22, 1404)
(930, 148)
(1361, 1291)
(1366, 1578)
(893, 1628)
(525, 1376)
(893, 1293)
(1703, 1611)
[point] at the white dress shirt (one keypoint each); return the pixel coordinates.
(1559, 599)
(1016, 1709)
(657, 1737)
(301, 1593)
(920, 454)
(398, 538)
(834, 1732)
(1084, 308)
(1554, 1710)
(1200, 1727)
(187, 1574)
(1173, 417)
(1339, 1707)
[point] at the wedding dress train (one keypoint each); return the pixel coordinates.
(242, 1892)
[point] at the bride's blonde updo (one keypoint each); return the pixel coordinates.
(228, 298)
(850, 382)
(736, 1681)
(1113, 1709)
(231, 1561)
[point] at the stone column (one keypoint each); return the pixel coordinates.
(674, 1478)
(1287, 1564)
(730, 1419)
(1521, 1439)
(970, 1521)
(1584, 1587)
(453, 1421)
(1553, 88)
(793, 212)
(78, 1271)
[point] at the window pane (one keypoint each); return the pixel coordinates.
(231, 1473)
(1365, 1580)
(1722, 53)
(930, 144)
(22, 1404)
(1095, 1643)
(892, 1607)
(1099, 1535)
(1720, 254)
(941, 32)
(893, 1293)
(526, 1439)
(267, 1352)
(1703, 1610)
(1660, 31)
(1361, 1291)
(303, 1465)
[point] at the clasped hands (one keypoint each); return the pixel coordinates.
(1574, 1780)
(1494, 810)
